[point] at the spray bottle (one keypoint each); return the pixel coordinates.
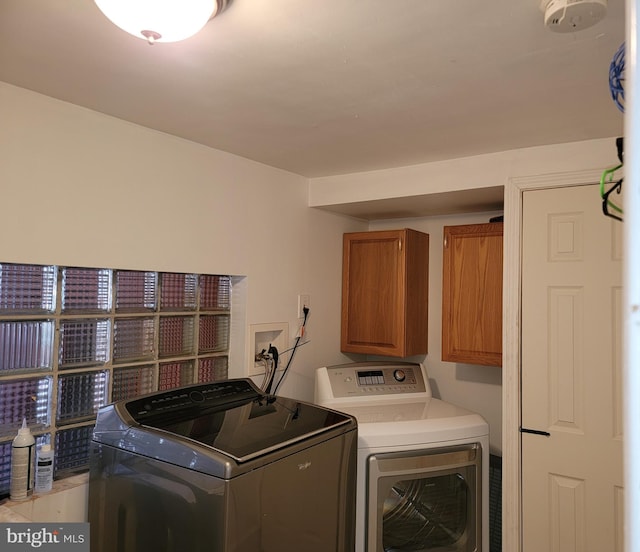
(22, 463)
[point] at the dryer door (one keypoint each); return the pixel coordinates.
(425, 500)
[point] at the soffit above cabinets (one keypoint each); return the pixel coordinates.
(445, 203)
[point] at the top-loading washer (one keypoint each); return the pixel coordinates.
(221, 467)
(423, 464)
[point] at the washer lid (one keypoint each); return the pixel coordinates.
(254, 428)
(214, 427)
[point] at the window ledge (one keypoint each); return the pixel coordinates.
(66, 502)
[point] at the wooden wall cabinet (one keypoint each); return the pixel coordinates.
(385, 293)
(472, 294)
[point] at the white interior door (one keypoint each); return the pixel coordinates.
(572, 493)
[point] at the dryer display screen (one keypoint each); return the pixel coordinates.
(370, 377)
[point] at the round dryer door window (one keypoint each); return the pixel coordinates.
(425, 500)
(426, 513)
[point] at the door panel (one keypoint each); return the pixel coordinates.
(571, 373)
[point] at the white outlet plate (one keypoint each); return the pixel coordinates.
(304, 300)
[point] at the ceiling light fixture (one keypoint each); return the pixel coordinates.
(161, 20)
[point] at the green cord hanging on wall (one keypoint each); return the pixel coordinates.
(608, 178)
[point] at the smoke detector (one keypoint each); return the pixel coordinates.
(566, 16)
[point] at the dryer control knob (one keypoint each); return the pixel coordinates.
(399, 375)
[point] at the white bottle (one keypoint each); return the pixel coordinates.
(22, 463)
(44, 470)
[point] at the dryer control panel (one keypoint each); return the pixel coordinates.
(373, 379)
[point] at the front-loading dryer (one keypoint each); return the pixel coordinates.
(423, 464)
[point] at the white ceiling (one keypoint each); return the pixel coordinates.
(331, 87)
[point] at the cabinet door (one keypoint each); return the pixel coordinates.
(380, 270)
(472, 294)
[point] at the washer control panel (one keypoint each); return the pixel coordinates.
(178, 401)
(371, 379)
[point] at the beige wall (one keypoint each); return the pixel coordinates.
(80, 188)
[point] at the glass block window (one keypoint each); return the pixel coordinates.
(83, 342)
(72, 450)
(24, 399)
(136, 291)
(212, 369)
(86, 289)
(175, 374)
(176, 335)
(27, 288)
(5, 467)
(26, 345)
(81, 395)
(134, 339)
(132, 382)
(178, 291)
(73, 339)
(214, 333)
(215, 292)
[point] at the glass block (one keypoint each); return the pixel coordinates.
(28, 398)
(136, 291)
(27, 288)
(213, 369)
(5, 467)
(26, 345)
(72, 450)
(215, 292)
(133, 339)
(131, 382)
(178, 291)
(81, 395)
(176, 335)
(214, 333)
(174, 374)
(86, 290)
(83, 342)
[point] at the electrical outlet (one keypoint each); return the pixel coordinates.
(304, 300)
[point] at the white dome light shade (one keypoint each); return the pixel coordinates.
(159, 20)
